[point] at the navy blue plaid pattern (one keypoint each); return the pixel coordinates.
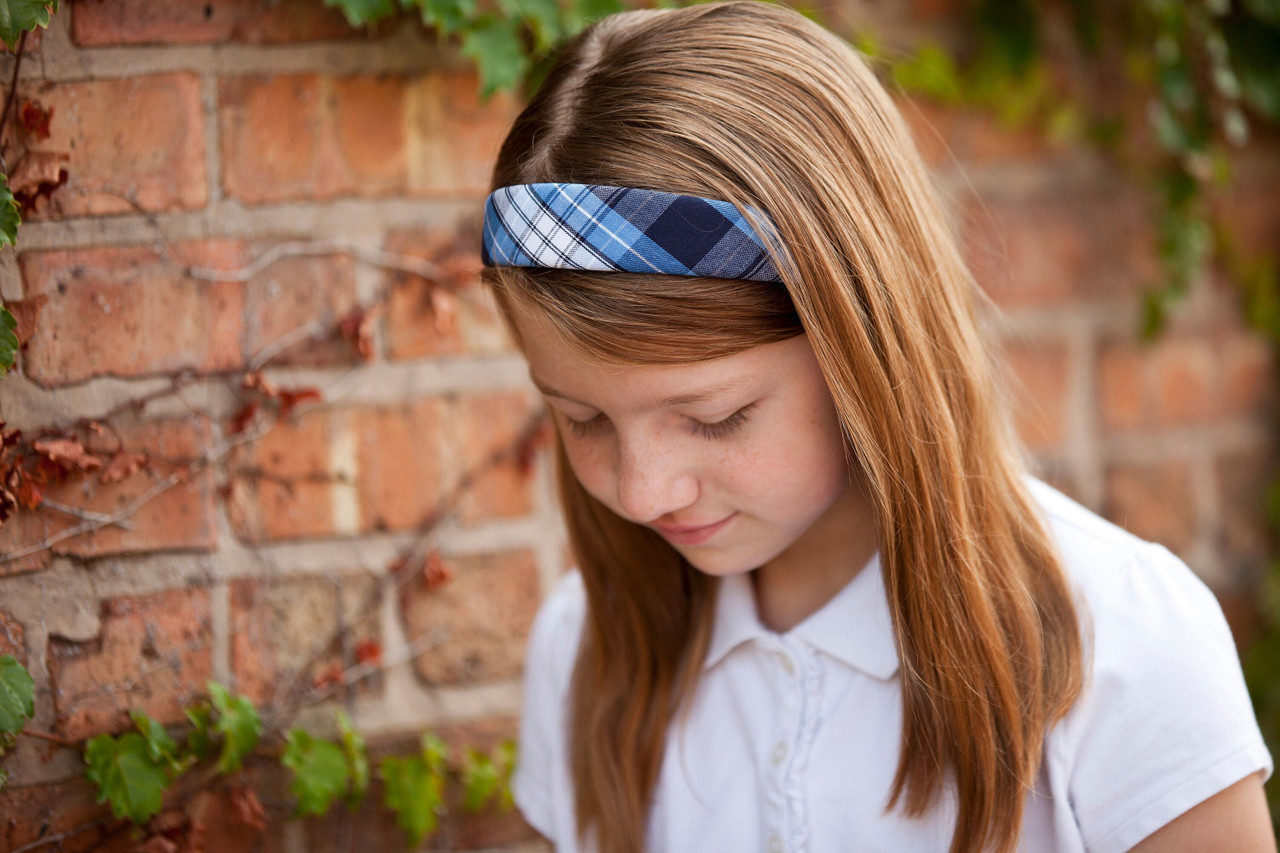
(622, 229)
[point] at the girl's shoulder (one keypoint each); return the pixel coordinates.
(1164, 720)
(557, 630)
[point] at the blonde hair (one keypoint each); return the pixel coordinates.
(754, 104)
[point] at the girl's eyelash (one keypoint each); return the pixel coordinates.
(723, 428)
(719, 429)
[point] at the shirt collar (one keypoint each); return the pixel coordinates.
(853, 627)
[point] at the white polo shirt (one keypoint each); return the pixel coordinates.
(792, 739)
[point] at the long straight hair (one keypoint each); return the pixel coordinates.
(754, 104)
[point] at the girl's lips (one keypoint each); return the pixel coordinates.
(693, 535)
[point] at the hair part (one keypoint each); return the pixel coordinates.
(751, 103)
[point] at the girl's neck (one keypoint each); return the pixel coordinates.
(799, 581)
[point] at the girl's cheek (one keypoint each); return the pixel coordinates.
(590, 464)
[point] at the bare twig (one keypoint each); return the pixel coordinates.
(36, 733)
(8, 102)
(377, 257)
(87, 515)
(63, 836)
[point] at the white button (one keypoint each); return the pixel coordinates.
(788, 665)
(775, 845)
(779, 753)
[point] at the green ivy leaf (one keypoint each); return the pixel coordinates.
(17, 695)
(931, 73)
(414, 788)
(199, 741)
(447, 16)
(10, 214)
(479, 780)
(160, 747)
(361, 12)
(542, 17)
(505, 758)
(583, 12)
(494, 45)
(319, 771)
(125, 774)
(19, 16)
(357, 759)
(8, 340)
(239, 725)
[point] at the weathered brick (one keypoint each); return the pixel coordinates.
(482, 615)
(134, 143)
(306, 136)
(1122, 385)
(293, 293)
(120, 22)
(277, 623)
(153, 653)
(456, 136)
(179, 517)
(1154, 501)
(11, 638)
(36, 812)
(485, 424)
(466, 323)
(132, 312)
(938, 132)
(1249, 378)
(399, 479)
(1245, 536)
(1186, 389)
(1049, 249)
(282, 487)
(1040, 376)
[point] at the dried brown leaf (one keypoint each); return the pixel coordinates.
(122, 466)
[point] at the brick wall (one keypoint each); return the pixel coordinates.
(198, 137)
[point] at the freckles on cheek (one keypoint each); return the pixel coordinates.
(590, 466)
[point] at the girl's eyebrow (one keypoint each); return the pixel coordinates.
(678, 400)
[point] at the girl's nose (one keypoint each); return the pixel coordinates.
(653, 481)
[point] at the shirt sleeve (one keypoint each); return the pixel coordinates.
(1166, 721)
(539, 783)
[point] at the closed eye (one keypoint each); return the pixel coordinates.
(725, 427)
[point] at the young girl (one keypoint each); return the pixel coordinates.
(819, 604)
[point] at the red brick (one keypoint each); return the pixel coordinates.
(1122, 384)
(30, 814)
(458, 137)
(1053, 249)
(1250, 215)
(119, 22)
(180, 517)
(991, 140)
(22, 530)
(11, 638)
(1040, 377)
(293, 293)
(153, 653)
(1153, 501)
(282, 487)
(482, 615)
(1246, 537)
(468, 323)
(277, 624)
(132, 311)
(398, 456)
(939, 132)
(486, 424)
(1249, 378)
(1240, 606)
(306, 136)
(135, 143)
(1185, 381)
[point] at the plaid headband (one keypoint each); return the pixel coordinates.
(621, 229)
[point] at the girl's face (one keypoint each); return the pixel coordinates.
(734, 461)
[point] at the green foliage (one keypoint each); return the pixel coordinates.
(126, 775)
(10, 215)
(8, 339)
(200, 740)
(320, 772)
(357, 759)
(17, 695)
(487, 776)
(19, 16)
(160, 747)
(415, 788)
(493, 43)
(239, 725)
(361, 12)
